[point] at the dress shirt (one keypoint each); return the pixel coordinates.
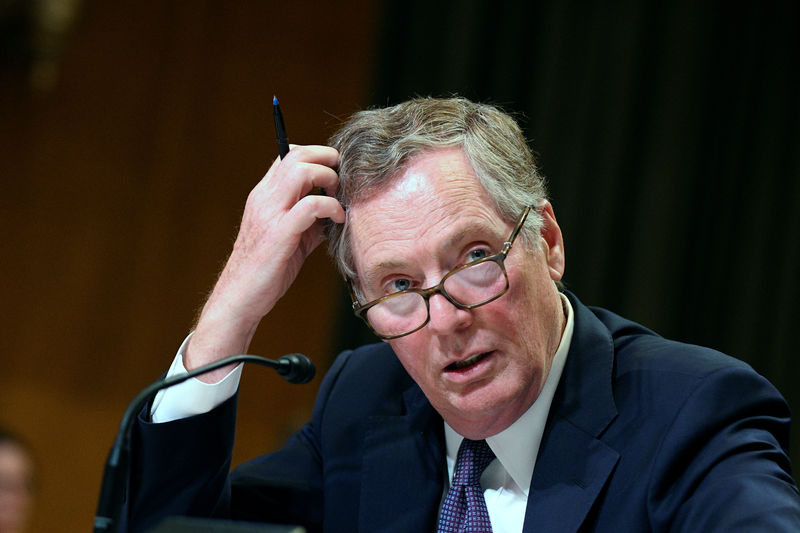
(192, 397)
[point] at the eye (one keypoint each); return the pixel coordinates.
(476, 254)
(397, 285)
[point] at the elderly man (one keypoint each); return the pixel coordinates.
(498, 402)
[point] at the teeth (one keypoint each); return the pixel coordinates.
(458, 365)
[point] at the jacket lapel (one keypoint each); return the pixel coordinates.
(570, 472)
(573, 465)
(403, 469)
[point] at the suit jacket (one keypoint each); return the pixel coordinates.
(644, 434)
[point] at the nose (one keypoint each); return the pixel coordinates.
(446, 318)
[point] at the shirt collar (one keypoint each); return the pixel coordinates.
(517, 446)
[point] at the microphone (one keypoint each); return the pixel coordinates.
(295, 368)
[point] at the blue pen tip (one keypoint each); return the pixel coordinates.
(274, 100)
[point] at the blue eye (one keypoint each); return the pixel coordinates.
(474, 255)
(400, 284)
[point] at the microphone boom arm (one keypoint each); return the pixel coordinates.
(295, 368)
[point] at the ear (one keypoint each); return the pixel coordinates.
(553, 242)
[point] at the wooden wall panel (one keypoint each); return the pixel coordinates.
(122, 190)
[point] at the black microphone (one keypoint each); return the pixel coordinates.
(294, 368)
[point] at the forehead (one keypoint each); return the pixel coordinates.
(431, 204)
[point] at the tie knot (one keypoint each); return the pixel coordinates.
(473, 458)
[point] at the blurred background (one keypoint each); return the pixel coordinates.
(131, 133)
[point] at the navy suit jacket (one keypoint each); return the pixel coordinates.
(644, 434)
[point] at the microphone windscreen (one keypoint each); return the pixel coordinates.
(296, 368)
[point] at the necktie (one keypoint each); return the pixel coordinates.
(464, 509)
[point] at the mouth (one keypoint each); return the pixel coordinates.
(466, 363)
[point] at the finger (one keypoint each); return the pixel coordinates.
(303, 177)
(285, 191)
(304, 170)
(321, 155)
(311, 209)
(282, 192)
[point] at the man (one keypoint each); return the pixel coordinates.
(16, 483)
(580, 420)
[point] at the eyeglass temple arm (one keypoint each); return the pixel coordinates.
(353, 296)
(517, 229)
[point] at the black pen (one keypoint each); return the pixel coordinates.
(280, 128)
(283, 140)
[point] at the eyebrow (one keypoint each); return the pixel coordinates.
(384, 265)
(459, 236)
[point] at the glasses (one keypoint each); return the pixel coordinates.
(469, 286)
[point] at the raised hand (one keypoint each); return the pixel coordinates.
(281, 226)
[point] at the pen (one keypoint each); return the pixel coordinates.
(280, 128)
(283, 140)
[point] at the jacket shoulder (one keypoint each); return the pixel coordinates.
(639, 349)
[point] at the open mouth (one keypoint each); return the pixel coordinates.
(468, 362)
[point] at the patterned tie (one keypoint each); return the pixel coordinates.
(464, 508)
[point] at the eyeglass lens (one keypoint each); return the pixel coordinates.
(469, 286)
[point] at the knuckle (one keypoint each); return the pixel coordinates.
(299, 152)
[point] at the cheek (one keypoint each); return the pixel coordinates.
(513, 313)
(411, 352)
(523, 317)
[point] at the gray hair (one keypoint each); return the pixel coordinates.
(377, 144)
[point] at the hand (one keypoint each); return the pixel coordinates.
(280, 227)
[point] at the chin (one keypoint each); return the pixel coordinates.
(483, 410)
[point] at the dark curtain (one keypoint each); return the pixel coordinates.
(669, 135)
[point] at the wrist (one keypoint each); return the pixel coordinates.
(216, 338)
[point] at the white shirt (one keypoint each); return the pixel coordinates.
(192, 397)
(507, 479)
